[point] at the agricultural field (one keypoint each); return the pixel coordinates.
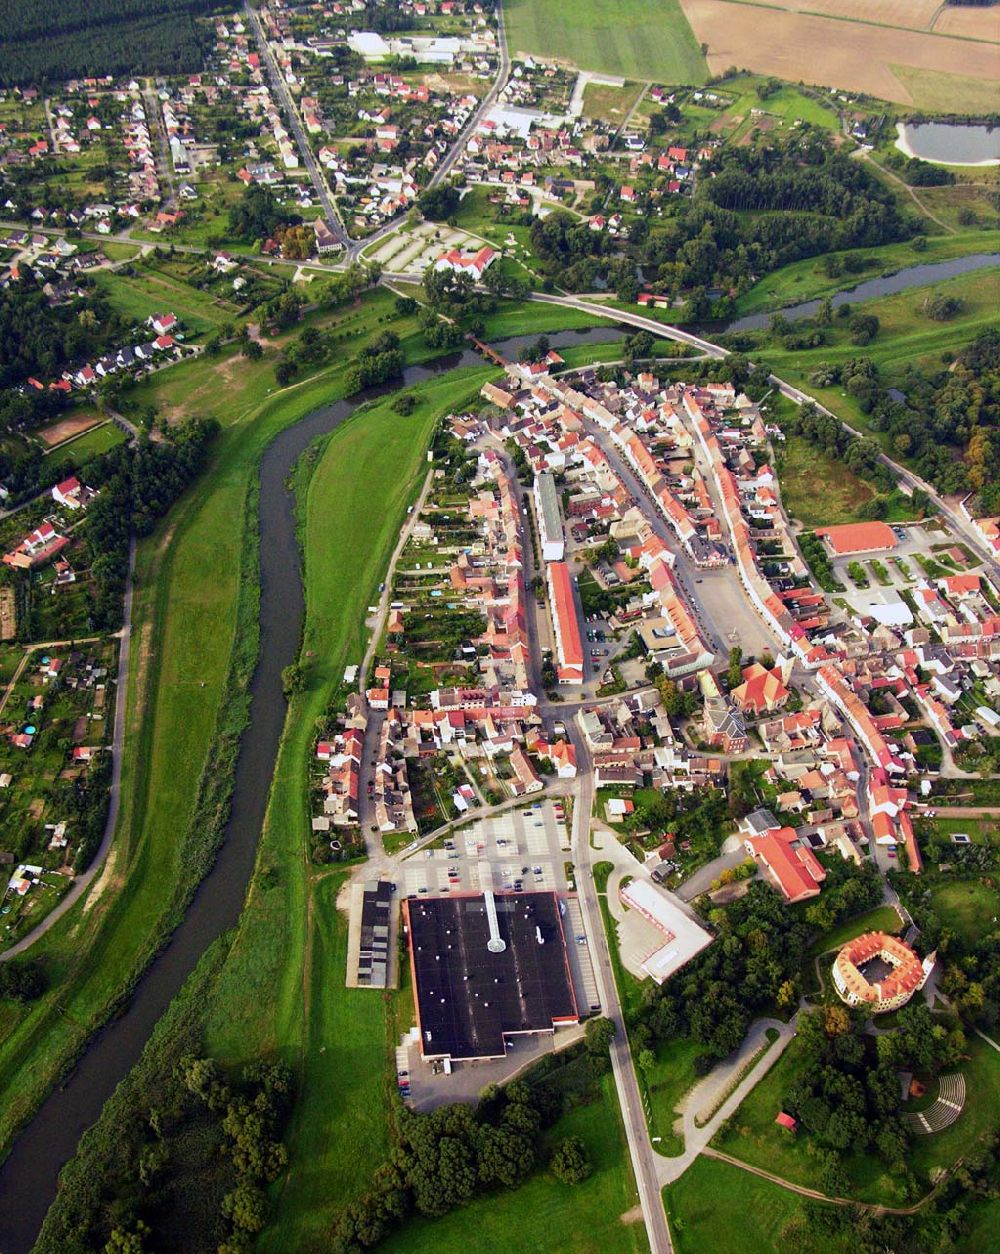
(637, 39)
(833, 52)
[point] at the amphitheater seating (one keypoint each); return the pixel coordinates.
(944, 1111)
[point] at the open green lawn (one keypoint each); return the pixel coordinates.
(639, 39)
(817, 489)
(754, 1137)
(544, 1216)
(605, 103)
(152, 291)
(808, 280)
(881, 919)
(967, 907)
(715, 1208)
(906, 337)
(97, 440)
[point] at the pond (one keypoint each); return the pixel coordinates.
(949, 143)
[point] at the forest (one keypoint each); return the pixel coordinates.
(947, 424)
(51, 41)
(753, 211)
(138, 484)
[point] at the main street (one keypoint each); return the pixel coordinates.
(281, 92)
(644, 1157)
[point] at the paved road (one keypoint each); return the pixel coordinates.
(280, 89)
(83, 882)
(644, 1164)
(488, 101)
(154, 120)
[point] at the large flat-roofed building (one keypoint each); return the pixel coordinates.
(479, 980)
(865, 537)
(683, 936)
(373, 953)
(549, 518)
(565, 624)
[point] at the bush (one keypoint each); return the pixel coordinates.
(570, 1161)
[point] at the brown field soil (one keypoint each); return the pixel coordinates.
(66, 428)
(971, 22)
(830, 53)
(910, 14)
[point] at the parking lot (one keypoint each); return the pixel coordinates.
(526, 850)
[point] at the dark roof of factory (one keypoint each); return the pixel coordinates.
(468, 998)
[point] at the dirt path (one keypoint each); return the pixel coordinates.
(864, 156)
(874, 1207)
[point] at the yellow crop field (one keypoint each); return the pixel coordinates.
(829, 52)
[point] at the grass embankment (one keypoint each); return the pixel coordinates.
(617, 37)
(907, 336)
(881, 919)
(282, 989)
(753, 1136)
(808, 279)
(186, 616)
(543, 1216)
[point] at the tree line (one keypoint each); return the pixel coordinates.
(945, 422)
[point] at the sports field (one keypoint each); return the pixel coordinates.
(840, 51)
(637, 39)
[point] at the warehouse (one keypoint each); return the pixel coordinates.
(487, 967)
(549, 518)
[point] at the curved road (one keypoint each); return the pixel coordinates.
(83, 882)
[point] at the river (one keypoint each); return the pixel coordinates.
(29, 1177)
(869, 289)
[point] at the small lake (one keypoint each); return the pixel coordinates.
(869, 289)
(949, 143)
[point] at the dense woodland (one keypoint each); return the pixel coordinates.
(50, 40)
(754, 210)
(138, 483)
(946, 423)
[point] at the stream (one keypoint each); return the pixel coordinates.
(868, 289)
